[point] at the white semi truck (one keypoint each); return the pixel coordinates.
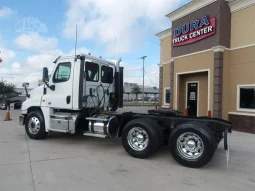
(83, 94)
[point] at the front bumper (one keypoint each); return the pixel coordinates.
(22, 120)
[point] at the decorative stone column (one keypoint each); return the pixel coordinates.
(172, 83)
(218, 81)
(160, 84)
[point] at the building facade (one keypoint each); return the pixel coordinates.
(207, 64)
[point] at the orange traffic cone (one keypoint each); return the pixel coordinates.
(7, 115)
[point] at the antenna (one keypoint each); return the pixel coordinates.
(115, 51)
(75, 42)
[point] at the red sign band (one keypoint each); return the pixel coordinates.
(196, 35)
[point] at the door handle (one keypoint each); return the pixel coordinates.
(68, 99)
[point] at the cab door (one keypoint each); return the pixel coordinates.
(92, 83)
(62, 79)
(107, 78)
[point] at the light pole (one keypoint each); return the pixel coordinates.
(143, 58)
(1, 60)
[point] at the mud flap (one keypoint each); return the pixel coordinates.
(227, 143)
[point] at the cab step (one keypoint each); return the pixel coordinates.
(59, 130)
(94, 135)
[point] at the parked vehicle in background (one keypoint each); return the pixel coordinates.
(17, 100)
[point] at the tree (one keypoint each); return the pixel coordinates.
(136, 90)
(7, 89)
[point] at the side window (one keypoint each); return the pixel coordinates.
(92, 72)
(107, 74)
(167, 96)
(62, 73)
(246, 97)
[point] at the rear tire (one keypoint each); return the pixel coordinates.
(3, 105)
(142, 137)
(35, 125)
(192, 144)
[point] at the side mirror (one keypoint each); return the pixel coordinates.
(45, 77)
(25, 85)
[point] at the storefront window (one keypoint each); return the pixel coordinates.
(167, 96)
(247, 98)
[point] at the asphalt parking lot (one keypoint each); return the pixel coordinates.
(64, 163)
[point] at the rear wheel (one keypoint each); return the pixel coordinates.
(192, 144)
(35, 126)
(142, 137)
(3, 105)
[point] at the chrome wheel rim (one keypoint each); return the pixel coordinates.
(138, 139)
(2, 105)
(34, 125)
(190, 146)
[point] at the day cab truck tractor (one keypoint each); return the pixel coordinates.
(83, 94)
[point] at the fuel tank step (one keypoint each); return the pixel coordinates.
(94, 135)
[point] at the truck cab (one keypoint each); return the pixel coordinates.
(78, 87)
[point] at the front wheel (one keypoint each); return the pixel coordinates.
(35, 126)
(192, 144)
(142, 137)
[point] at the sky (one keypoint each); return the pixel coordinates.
(109, 28)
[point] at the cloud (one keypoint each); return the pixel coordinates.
(6, 55)
(135, 75)
(36, 42)
(17, 76)
(32, 66)
(5, 12)
(28, 71)
(130, 21)
(16, 65)
(37, 62)
(81, 50)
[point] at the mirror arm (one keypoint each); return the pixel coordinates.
(52, 87)
(28, 95)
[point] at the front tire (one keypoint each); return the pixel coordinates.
(192, 144)
(35, 125)
(142, 137)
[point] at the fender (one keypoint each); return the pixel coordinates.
(34, 100)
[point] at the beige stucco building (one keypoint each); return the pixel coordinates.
(207, 61)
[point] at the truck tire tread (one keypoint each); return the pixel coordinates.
(41, 133)
(155, 137)
(207, 136)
